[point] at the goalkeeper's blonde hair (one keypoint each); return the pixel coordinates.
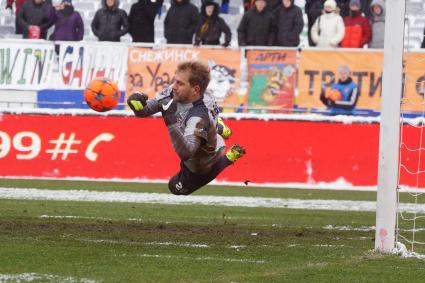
(199, 73)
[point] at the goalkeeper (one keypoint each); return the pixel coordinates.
(191, 126)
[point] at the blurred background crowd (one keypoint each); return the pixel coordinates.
(287, 23)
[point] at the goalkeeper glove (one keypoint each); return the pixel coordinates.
(137, 101)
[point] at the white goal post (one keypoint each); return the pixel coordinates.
(389, 137)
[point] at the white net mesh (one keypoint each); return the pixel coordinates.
(410, 232)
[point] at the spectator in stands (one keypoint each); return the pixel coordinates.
(329, 29)
(313, 9)
(377, 21)
(344, 7)
(357, 27)
(32, 19)
(211, 26)
(256, 26)
(180, 22)
(271, 4)
(141, 20)
(289, 24)
(18, 5)
(341, 97)
(68, 23)
(110, 22)
(248, 4)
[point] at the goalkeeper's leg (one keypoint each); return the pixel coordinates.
(185, 182)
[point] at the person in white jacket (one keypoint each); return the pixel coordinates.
(328, 29)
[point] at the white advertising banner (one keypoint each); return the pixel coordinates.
(25, 65)
(80, 62)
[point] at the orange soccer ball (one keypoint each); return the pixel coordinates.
(333, 94)
(102, 94)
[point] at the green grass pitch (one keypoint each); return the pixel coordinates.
(70, 241)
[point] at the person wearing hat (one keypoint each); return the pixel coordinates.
(271, 5)
(180, 22)
(211, 26)
(18, 6)
(68, 23)
(357, 28)
(33, 16)
(313, 9)
(256, 27)
(329, 29)
(377, 21)
(290, 24)
(110, 22)
(141, 20)
(341, 97)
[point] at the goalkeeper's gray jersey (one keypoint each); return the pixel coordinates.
(194, 136)
(197, 126)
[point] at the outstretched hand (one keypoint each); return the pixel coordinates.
(137, 101)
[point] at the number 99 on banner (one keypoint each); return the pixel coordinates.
(27, 143)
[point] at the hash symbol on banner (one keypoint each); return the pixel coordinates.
(63, 146)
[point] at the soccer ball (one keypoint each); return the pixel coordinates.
(333, 94)
(102, 94)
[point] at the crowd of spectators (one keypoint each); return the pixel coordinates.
(330, 23)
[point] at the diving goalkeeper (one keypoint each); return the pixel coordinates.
(191, 126)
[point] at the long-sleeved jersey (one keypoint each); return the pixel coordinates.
(349, 97)
(194, 137)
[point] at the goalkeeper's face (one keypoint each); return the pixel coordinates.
(183, 91)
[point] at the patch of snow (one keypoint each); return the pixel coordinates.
(203, 258)
(336, 185)
(30, 277)
(349, 228)
(157, 198)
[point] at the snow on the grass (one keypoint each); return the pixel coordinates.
(120, 242)
(346, 119)
(203, 258)
(75, 217)
(30, 277)
(402, 251)
(339, 184)
(157, 198)
(328, 246)
(349, 228)
(237, 116)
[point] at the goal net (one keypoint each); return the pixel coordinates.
(400, 220)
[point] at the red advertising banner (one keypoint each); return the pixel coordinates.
(84, 146)
(272, 80)
(278, 152)
(151, 70)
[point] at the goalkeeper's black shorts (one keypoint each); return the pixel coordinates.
(186, 182)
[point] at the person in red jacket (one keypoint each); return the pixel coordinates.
(18, 5)
(357, 28)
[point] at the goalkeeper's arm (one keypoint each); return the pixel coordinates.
(141, 106)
